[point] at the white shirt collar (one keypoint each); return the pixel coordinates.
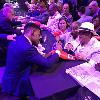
(57, 14)
(28, 39)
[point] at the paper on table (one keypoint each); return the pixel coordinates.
(86, 76)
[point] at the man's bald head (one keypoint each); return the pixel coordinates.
(52, 9)
(8, 12)
(66, 8)
(93, 6)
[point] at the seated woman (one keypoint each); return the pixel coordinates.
(69, 38)
(63, 28)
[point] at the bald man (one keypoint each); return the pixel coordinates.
(93, 6)
(7, 26)
(6, 21)
(66, 13)
(93, 9)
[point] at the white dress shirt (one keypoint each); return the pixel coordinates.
(69, 39)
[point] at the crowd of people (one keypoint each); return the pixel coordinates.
(61, 25)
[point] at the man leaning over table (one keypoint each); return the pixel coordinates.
(22, 54)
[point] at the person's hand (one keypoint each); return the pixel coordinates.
(69, 46)
(48, 54)
(42, 26)
(11, 37)
(26, 3)
(25, 20)
(58, 52)
(80, 56)
(59, 46)
(97, 66)
(94, 33)
(22, 27)
(16, 17)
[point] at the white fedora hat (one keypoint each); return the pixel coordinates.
(87, 26)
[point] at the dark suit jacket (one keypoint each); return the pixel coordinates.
(3, 36)
(7, 26)
(3, 43)
(43, 18)
(22, 55)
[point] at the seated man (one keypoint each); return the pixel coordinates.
(23, 54)
(89, 48)
(66, 13)
(54, 17)
(94, 8)
(83, 16)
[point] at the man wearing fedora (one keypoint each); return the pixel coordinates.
(89, 48)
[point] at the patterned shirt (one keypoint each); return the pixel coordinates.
(53, 21)
(90, 51)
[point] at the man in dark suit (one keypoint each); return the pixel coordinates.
(7, 27)
(7, 22)
(22, 55)
(43, 18)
